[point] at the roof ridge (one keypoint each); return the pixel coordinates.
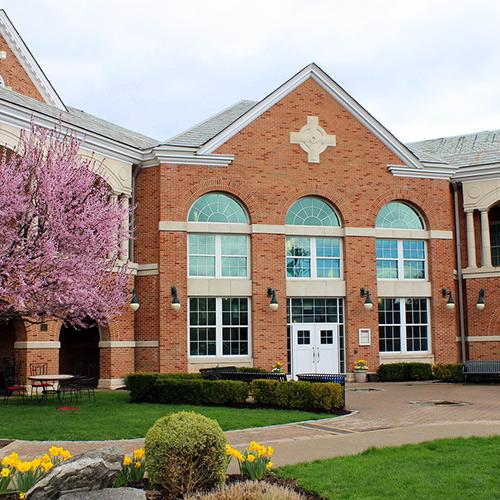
(468, 134)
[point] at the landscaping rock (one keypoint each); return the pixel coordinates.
(94, 470)
(106, 494)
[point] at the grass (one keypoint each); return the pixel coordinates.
(448, 468)
(114, 417)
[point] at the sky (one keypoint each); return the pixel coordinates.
(423, 68)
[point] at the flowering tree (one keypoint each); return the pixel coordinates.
(60, 234)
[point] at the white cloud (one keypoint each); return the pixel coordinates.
(424, 69)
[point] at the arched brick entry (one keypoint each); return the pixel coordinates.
(79, 351)
(7, 340)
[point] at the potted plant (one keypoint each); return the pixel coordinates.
(360, 370)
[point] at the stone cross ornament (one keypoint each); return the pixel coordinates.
(312, 139)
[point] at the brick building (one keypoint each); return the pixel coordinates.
(296, 228)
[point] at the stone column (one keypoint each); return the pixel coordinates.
(485, 239)
(125, 224)
(471, 240)
(112, 199)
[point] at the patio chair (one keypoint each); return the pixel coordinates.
(10, 386)
(88, 385)
(46, 387)
(71, 388)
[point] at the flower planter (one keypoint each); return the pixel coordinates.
(360, 375)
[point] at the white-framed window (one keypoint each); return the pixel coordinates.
(401, 259)
(403, 325)
(218, 255)
(219, 327)
(313, 257)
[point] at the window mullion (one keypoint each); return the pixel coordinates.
(402, 304)
(218, 256)
(312, 246)
(218, 326)
(401, 266)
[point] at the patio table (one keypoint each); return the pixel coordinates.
(55, 378)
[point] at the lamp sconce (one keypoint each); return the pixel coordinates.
(273, 305)
(134, 302)
(480, 301)
(175, 305)
(368, 305)
(447, 293)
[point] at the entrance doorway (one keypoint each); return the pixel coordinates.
(79, 351)
(315, 348)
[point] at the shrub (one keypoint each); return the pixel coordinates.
(249, 489)
(201, 392)
(448, 372)
(264, 392)
(251, 369)
(323, 396)
(185, 452)
(143, 386)
(400, 372)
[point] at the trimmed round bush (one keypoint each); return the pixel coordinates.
(185, 452)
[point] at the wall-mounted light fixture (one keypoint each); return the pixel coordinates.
(273, 305)
(134, 302)
(368, 305)
(176, 305)
(447, 293)
(480, 301)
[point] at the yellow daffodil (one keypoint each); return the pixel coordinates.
(139, 453)
(270, 451)
(65, 454)
(137, 465)
(250, 458)
(22, 496)
(5, 472)
(55, 451)
(269, 465)
(127, 460)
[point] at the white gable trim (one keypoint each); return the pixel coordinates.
(28, 62)
(337, 92)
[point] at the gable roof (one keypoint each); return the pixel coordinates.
(478, 148)
(337, 92)
(28, 62)
(202, 132)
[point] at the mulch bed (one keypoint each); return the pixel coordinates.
(233, 478)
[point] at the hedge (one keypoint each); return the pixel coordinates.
(297, 395)
(143, 386)
(192, 389)
(451, 372)
(401, 372)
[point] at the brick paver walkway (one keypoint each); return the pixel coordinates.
(392, 414)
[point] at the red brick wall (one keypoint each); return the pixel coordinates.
(268, 175)
(14, 75)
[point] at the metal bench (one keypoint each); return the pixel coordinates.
(336, 378)
(480, 367)
(231, 373)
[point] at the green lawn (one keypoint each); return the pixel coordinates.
(445, 469)
(113, 417)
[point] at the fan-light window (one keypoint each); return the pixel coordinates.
(397, 215)
(311, 211)
(217, 207)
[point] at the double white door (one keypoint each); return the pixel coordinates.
(315, 348)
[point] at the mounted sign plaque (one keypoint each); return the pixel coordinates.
(364, 336)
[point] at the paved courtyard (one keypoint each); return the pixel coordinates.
(385, 414)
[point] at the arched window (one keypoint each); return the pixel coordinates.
(397, 215)
(217, 207)
(311, 211)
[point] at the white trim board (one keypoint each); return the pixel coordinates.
(338, 93)
(28, 62)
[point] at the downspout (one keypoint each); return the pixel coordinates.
(135, 172)
(459, 273)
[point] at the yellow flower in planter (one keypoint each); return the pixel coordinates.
(22, 496)
(55, 451)
(65, 454)
(250, 458)
(127, 460)
(5, 472)
(139, 453)
(137, 465)
(270, 451)
(269, 465)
